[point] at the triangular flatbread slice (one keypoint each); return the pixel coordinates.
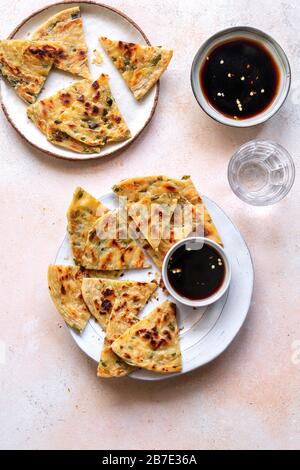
(95, 119)
(153, 343)
(64, 284)
(46, 115)
(155, 187)
(82, 214)
(26, 65)
(66, 27)
(100, 295)
(109, 246)
(140, 66)
(135, 189)
(130, 301)
(200, 225)
(152, 218)
(57, 137)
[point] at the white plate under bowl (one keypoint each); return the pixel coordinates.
(204, 332)
(98, 20)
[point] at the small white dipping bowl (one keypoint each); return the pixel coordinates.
(266, 41)
(200, 241)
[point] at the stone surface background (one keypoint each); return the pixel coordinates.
(249, 397)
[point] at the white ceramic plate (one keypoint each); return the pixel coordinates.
(98, 20)
(204, 332)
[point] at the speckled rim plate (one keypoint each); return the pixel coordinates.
(204, 332)
(98, 19)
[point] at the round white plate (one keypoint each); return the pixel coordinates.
(98, 20)
(204, 332)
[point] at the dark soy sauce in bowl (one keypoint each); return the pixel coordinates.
(240, 78)
(196, 274)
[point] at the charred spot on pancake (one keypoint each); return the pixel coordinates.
(167, 334)
(106, 305)
(59, 136)
(44, 51)
(96, 96)
(95, 85)
(65, 98)
(75, 15)
(93, 125)
(127, 47)
(108, 292)
(92, 235)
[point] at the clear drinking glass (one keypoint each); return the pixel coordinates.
(261, 172)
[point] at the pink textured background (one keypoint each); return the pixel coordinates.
(249, 397)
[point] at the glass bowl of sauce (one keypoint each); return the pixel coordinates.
(241, 77)
(196, 271)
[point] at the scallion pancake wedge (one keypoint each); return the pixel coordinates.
(57, 137)
(100, 296)
(154, 187)
(152, 343)
(110, 247)
(26, 64)
(66, 27)
(64, 283)
(127, 306)
(153, 217)
(46, 115)
(140, 66)
(95, 119)
(82, 214)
